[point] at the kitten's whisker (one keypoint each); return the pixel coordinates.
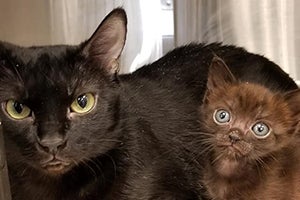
(217, 158)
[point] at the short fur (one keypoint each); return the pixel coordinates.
(118, 150)
(132, 144)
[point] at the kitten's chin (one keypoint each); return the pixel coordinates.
(229, 168)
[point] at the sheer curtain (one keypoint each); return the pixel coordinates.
(267, 27)
(36, 22)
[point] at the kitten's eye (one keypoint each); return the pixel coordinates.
(221, 116)
(17, 110)
(261, 130)
(83, 103)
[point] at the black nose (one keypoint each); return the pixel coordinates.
(52, 145)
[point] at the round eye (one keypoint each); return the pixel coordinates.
(17, 110)
(221, 116)
(83, 103)
(261, 130)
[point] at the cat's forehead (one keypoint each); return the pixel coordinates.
(43, 70)
(24, 55)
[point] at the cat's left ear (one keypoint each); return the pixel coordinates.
(104, 47)
(219, 74)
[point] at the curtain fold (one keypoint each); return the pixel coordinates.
(267, 27)
(35, 22)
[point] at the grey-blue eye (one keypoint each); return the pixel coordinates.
(261, 130)
(221, 116)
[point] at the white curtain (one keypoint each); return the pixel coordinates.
(36, 22)
(267, 27)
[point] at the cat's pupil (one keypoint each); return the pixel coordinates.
(18, 107)
(82, 101)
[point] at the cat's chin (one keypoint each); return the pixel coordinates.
(56, 168)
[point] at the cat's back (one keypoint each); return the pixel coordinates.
(189, 65)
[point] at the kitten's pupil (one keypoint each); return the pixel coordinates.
(18, 107)
(222, 115)
(260, 128)
(82, 101)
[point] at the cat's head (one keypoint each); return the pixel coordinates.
(245, 122)
(59, 104)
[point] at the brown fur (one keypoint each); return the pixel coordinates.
(249, 168)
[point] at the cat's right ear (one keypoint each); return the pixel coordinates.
(104, 47)
(219, 74)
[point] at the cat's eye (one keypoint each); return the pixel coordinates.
(17, 110)
(83, 103)
(221, 116)
(261, 130)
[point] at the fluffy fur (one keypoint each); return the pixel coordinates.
(134, 143)
(243, 162)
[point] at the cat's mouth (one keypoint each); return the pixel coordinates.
(56, 166)
(238, 149)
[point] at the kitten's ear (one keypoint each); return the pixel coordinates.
(293, 99)
(219, 74)
(107, 42)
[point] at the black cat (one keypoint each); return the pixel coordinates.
(74, 129)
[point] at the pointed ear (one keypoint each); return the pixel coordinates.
(106, 44)
(219, 74)
(293, 99)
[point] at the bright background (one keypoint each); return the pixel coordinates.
(267, 27)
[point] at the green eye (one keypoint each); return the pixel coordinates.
(83, 103)
(17, 110)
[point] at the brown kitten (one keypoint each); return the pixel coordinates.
(250, 138)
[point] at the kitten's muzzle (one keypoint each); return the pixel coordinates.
(234, 135)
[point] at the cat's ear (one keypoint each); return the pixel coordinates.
(293, 99)
(219, 74)
(106, 44)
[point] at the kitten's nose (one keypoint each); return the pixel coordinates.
(234, 136)
(52, 145)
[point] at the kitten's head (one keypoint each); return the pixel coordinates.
(59, 104)
(244, 122)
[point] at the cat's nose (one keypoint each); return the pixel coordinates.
(234, 136)
(52, 145)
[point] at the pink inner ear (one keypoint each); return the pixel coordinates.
(107, 42)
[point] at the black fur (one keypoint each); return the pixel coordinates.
(132, 144)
